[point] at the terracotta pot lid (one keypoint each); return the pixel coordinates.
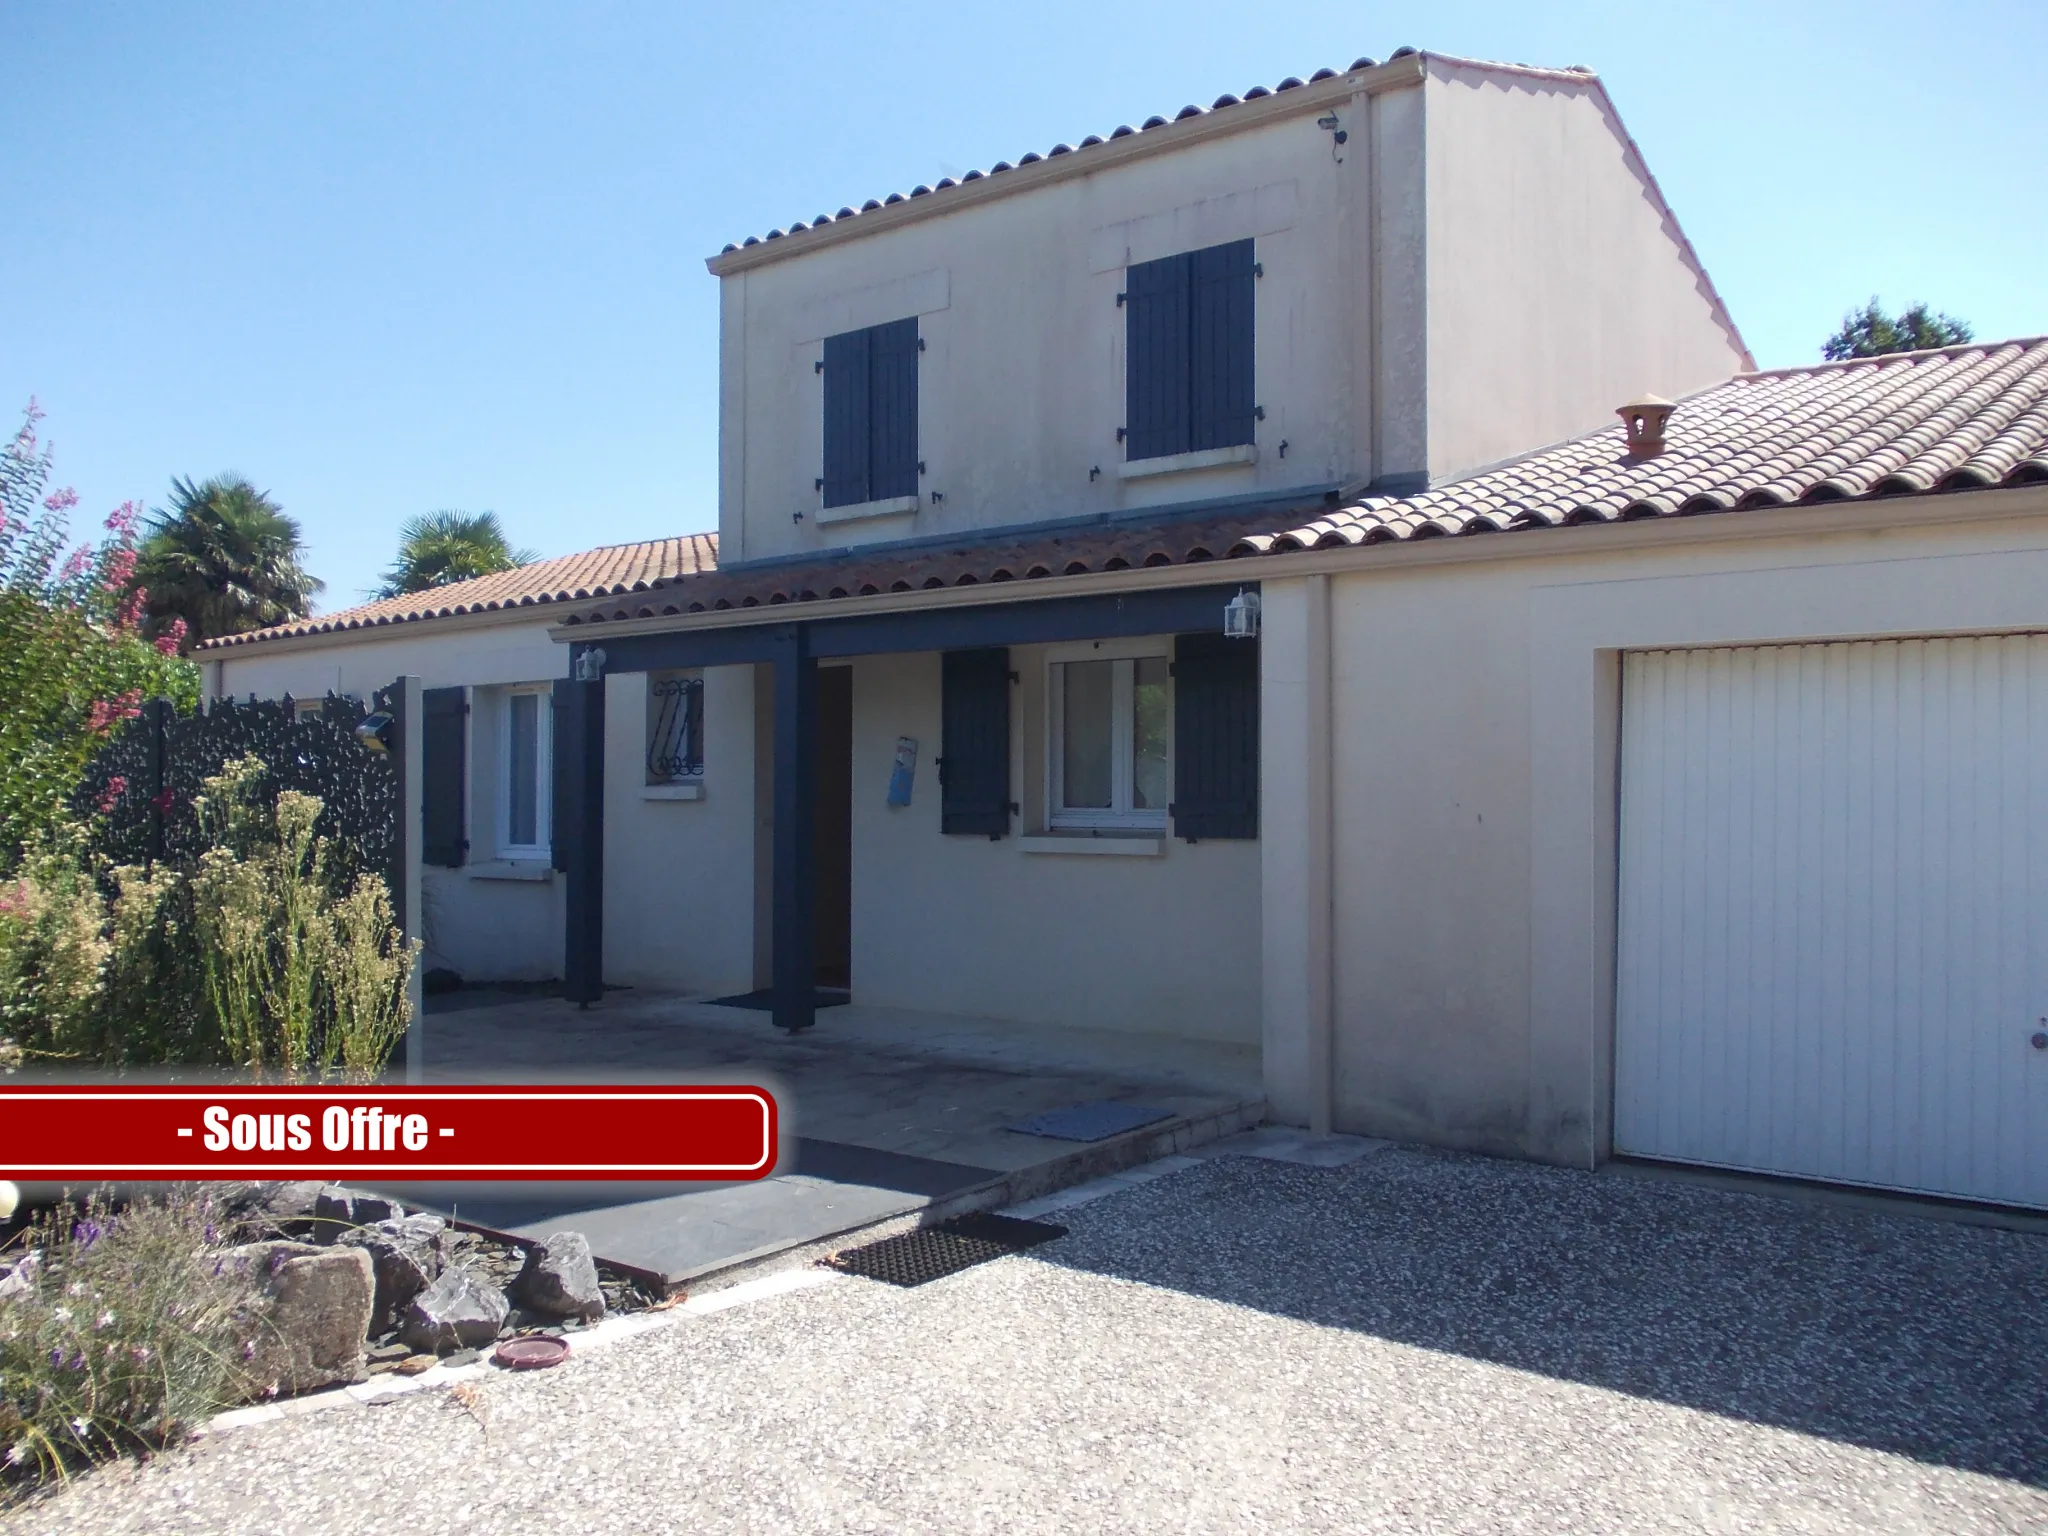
(532, 1353)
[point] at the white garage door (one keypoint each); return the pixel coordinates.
(1834, 913)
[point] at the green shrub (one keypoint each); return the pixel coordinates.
(263, 952)
(123, 1336)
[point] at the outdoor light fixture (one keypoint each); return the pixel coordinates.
(375, 732)
(1241, 616)
(589, 665)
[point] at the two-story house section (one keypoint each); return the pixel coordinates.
(1383, 278)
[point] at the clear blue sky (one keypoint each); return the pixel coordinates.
(387, 258)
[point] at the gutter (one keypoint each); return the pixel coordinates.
(1876, 515)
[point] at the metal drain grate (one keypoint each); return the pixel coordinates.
(930, 1253)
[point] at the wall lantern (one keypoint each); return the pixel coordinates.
(589, 665)
(1241, 616)
(374, 732)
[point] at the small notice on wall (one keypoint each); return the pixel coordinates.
(905, 770)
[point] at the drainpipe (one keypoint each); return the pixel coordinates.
(1320, 815)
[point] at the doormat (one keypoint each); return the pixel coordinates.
(763, 1001)
(931, 1253)
(1097, 1121)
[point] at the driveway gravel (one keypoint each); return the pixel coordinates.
(1417, 1341)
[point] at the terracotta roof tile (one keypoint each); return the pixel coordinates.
(1924, 423)
(612, 571)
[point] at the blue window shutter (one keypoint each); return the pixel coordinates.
(892, 410)
(847, 462)
(1215, 737)
(974, 736)
(1156, 358)
(1220, 346)
(443, 771)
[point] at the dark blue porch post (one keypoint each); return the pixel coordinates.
(579, 830)
(795, 811)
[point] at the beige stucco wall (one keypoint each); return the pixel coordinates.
(1165, 945)
(678, 910)
(1474, 738)
(1021, 385)
(671, 867)
(1559, 286)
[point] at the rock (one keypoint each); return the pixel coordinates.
(306, 1313)
(458, 1311)
(338, 1209)
(19, 1277)
(416, 1365)
(386, 1354)
(407, 1256)
(462, 1357)
(559, 1279)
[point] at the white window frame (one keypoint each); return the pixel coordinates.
(543, 775)
(1121, 816)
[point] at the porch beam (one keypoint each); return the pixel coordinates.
(1104, 616)
(794, 867)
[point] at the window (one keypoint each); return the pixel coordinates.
(523, 830)
(675, 728)
(871, 414)
(1188, 352)
(1111, 735)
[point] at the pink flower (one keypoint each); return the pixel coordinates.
(130, 611)
(61, 501)
(122, 519)
(106, 713)
(14, 900)
(117, 786)
(163, 801)
(76, 564)
(117, 569)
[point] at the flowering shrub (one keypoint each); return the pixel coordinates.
(73, 663)
(263, 951)
(117, 1331)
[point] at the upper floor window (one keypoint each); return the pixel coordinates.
(1188, 352)
(871, 414)
(675, 728)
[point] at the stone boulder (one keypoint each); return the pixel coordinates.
(305, 1314)
(337, 1209)
(407, 1255)
(559, 1279)
(460, 1310)
(18, 1274)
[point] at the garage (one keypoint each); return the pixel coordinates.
(1833, 903)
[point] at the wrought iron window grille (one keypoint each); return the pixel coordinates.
(675, 730)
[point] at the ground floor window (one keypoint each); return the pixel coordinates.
(675, 728)
(1111, 737)
(525, 783)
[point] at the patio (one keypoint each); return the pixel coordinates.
(884, 1113)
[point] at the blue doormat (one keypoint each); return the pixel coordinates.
(1097, 1121)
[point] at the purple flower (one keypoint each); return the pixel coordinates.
(57, 1359)
(88, 1232)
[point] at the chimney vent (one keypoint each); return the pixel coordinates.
(1644, 418)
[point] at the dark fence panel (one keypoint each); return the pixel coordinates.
(144, 781)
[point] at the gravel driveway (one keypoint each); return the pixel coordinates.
(1417, 1341)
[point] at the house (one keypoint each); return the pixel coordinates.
(1140, 489)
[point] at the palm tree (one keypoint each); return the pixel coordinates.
(445, 547)
(225, 559)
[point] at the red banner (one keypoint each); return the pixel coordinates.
(86, 1134)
